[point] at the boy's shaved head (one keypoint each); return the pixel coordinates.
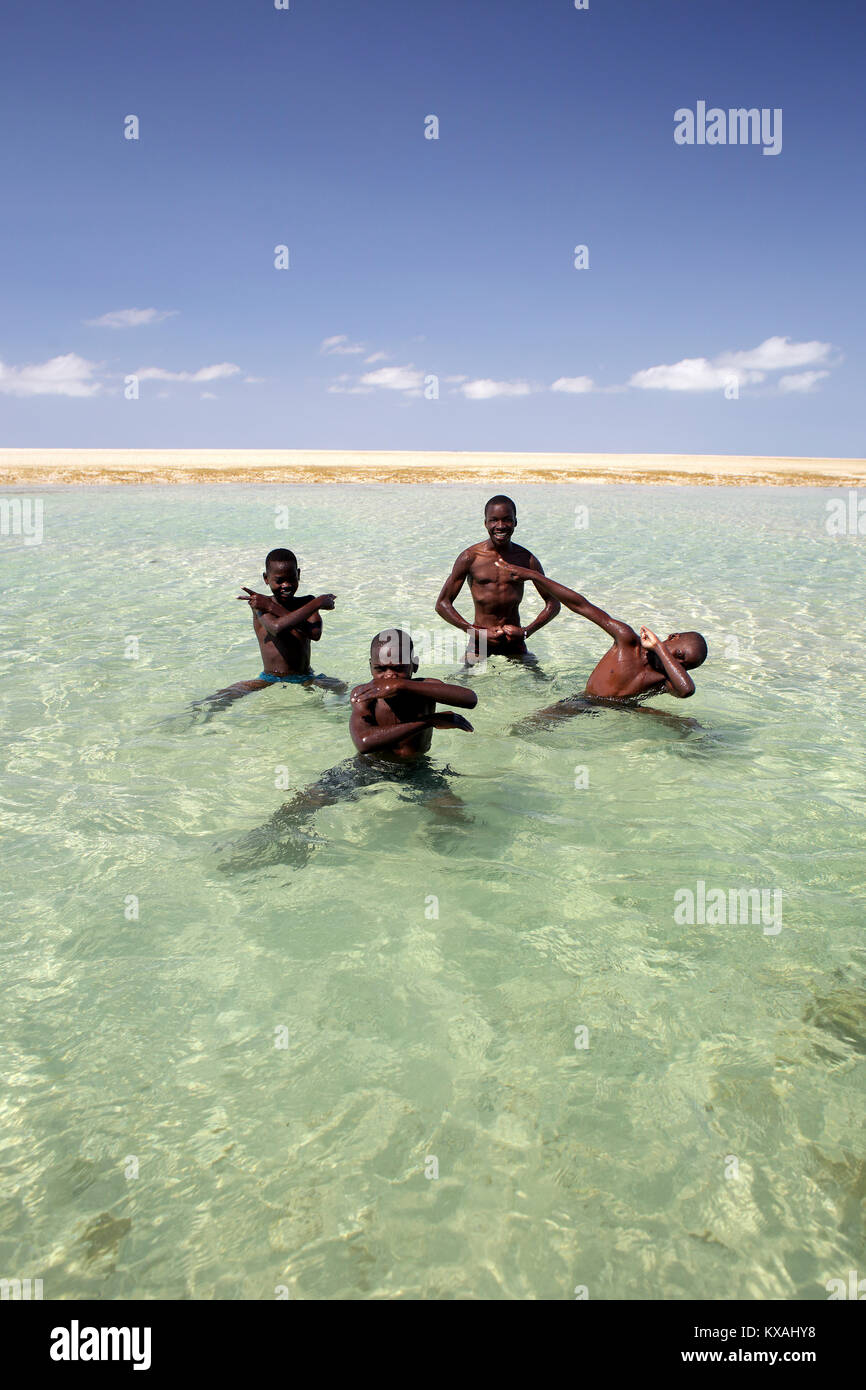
(392, 647)
(275, 557)
(694, 648)
(500, 501)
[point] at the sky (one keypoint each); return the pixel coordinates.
(432, 298)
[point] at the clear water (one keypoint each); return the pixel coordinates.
(411, 1037)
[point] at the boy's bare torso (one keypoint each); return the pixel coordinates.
(403, 708)
(287, 653)
(626, 672)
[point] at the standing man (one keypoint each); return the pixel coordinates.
(496, 628)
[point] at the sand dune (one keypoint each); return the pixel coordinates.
(37, 467)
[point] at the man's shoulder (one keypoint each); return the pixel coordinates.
(522, 555)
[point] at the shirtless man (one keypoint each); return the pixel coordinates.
(497, 593)
(636, 666)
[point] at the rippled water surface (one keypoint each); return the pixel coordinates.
(158, 1138)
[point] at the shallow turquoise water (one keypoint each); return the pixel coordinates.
(151, 1043)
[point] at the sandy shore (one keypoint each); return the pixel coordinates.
(40, 467)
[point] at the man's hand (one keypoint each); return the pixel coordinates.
(648, 639)
(326, 600)
(450, 720)
(261, 602)
(496, 632)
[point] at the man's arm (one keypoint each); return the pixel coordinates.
(551, 607)
(451, 588)
(621, 632)
(678, 682)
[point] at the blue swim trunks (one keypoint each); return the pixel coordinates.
(288, 680)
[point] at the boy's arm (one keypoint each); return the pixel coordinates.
(313, 624)
(621, 632)
(451, 588)
(551, 607)
(275, 619)
(678, 682)
(445, 694)
(384, 687)
(368, 737)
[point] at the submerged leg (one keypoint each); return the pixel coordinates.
(682, 722)
(554, 714)
(221, 699)
(330, 683)
(282, 839)
(530, 660)
(433, 790)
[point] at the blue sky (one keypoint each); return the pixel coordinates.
(413, 259)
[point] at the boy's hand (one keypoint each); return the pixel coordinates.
(365, 694)
(510, 632)
(514, 571)
(326, 600)
(450, 720)
(263, 602)
(648, 639)
(381, 689)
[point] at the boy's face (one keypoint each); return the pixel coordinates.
(282, 578)
(381, 668)
(681, 649)
(393, 658)
(500, 522)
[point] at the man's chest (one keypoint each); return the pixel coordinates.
(488, 577)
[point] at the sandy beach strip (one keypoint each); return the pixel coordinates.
(46, 467)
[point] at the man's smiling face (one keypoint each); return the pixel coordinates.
(500, 521)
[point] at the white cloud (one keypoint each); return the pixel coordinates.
(69, 375)
(214, 373)
(574, 385)
(455, 379)
(376, 357)
(340, 346)
(774, 354)
(801, 381)
(209, 396)
(747, 367)
(130, 318)
(484, 389)
(395, 378)
(692, 374)
(254, 380)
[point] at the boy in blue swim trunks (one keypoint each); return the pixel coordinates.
(285, 625)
